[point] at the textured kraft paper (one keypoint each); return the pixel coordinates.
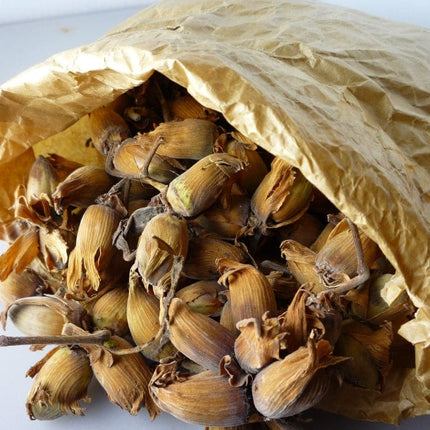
(342, 95)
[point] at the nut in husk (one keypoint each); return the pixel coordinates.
(190, 139)
(226, 220)
(143, 317)
(199, 187)
(282, 197)
(199, 337)
(297, 382)
(203, 399)
(250, 292)
(238, 145)
(107, 129)
(338, 260)
(203, 253)
(186, 106)
(110, 311)
(131, 160)
(52, 396)
(369, 350)
(42, 180)
(44, 315)
(125, 378)
(204, 297)
(75, 190)
(90, 260)
(164, 237)
(17, 286)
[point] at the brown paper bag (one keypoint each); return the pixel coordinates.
(341, 95)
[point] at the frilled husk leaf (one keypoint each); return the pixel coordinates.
(20, 253)
(282, 197)
(337, 259)
(259, 342)
(301, 262)
(225, 221)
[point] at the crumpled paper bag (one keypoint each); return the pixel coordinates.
(342, 95)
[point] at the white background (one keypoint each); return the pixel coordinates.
(31, 31)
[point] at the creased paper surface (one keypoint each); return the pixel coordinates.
(342, 95)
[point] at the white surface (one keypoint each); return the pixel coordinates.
(30, 10)
(24, 44)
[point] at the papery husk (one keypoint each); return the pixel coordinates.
(376, 340)
(107, 128)
(337, 259)
(52, 396)
(11, 230)
(20, 253)
(238, 145)
(42, 180)
(186, 106)
(226, 317)
(301, 262)
(225, 221)
(203, 399)
(348, 96)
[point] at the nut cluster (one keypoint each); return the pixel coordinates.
(195, 274)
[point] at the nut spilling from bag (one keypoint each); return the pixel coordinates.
(196, 274)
